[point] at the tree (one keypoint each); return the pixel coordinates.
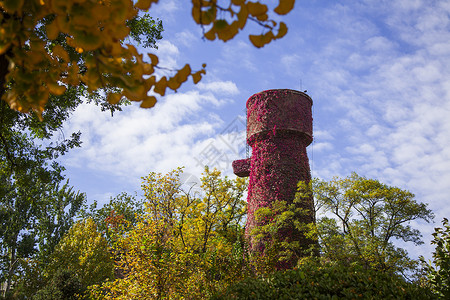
(48, 46)
(438, 272)
(188, 243)
(64, 285)
(361, 218)
(84, 252)
(121, 213)
(33, 219)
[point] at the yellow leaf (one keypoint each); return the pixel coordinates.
(63, 23)
(100, 13)
(183, 74)
(59, 51)
(220, 24)
(209, 16)
(197, 76)
(148, 83)
(282, 30)
(84, 21)
(34, 57)
(262, 18)
(144, 4)
(237, 2)
(242, 16)
(260, 40)
(56, 89)
(284, 7)
(12, 6)
(160, 86)
(229, 32)
(114, 98)
(154, 59)
(148, 69)
(52, 30)
(87, 40)
(196, 13)
(73, 75)
(256, 8)
(148, 102)
(211, 34)
(173, 84)
(137, 93)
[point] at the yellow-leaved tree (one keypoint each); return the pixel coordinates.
(48, 45)
(187, 245)
(83, 252)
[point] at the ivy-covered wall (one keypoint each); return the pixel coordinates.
(279, 128)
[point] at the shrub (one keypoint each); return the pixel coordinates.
(318, 279)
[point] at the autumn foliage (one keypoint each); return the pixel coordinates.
(48, 45)
(188, 241)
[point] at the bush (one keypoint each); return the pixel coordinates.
(316, 279)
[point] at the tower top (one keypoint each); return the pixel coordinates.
(281, 111)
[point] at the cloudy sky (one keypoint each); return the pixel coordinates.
(378, 72)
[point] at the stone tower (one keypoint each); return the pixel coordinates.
(279, 128)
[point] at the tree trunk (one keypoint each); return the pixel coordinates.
(12, 262)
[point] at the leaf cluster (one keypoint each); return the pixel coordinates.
(48, 46)
(438, 271)
(225, 22)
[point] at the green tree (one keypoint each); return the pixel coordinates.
(47, 46)
(188, 243)
(32, 222)
(438, 272)
(361, 218)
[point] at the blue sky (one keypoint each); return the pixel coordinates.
(378, 72)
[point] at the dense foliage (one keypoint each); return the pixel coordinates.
(360, 218)
(188, 241)
(438, 272)
(321, 279)
(48, 46)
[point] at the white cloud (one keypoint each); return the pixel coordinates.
(186, 38)
(136, 141)
(226, 87)
(168, 54)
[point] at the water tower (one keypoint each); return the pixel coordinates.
(279, 128)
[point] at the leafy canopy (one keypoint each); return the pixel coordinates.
(362, 217)
(438, 272)
(187, 243)
(34, 65)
